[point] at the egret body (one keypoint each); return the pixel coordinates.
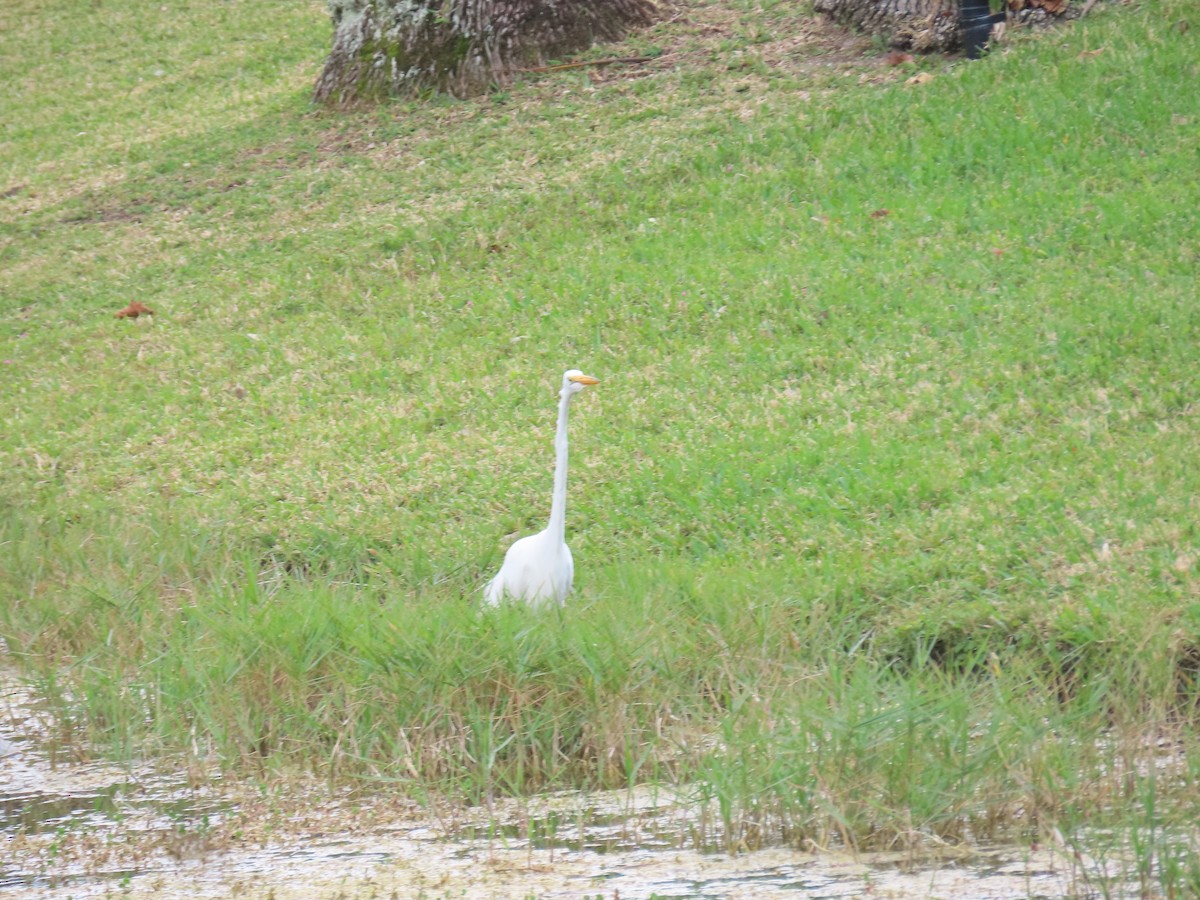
(538, 569)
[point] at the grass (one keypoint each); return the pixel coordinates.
(884, 514)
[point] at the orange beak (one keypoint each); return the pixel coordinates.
(585, 379)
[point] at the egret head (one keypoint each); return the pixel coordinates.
(575, 381)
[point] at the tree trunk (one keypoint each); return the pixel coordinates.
(912, 24)
(407, 47)
(933, 25)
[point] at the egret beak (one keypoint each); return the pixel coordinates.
(584, 379)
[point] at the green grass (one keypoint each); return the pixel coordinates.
(884, 525)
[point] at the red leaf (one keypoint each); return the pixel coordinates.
(133, 310)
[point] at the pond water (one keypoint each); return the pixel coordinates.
(78, 829)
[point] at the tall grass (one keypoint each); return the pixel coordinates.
(884, 514)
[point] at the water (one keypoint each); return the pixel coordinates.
(81, 830)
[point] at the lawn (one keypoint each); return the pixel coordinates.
(884, 513)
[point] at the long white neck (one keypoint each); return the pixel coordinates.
(558, 506)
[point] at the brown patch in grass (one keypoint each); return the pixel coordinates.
(129, 211)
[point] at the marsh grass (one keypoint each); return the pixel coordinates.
(884, 514)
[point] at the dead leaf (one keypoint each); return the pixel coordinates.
(133, 310)
(920, 78)
(1086, 53)
(896, 58)
(880, 214)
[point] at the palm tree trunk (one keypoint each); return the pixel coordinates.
(912, 24)
(407, 47)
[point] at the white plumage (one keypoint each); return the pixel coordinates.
(538, 569)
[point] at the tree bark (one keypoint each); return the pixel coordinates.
(921, 25)
(932, 25)
(408, 47)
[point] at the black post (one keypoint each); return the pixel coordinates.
(975, 20)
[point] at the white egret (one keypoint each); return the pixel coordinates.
(539, 568)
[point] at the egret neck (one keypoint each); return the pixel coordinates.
(558, 504)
